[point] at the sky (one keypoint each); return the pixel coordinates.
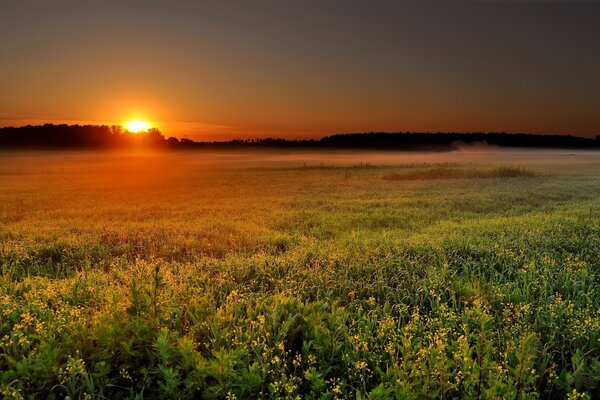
(217, 70)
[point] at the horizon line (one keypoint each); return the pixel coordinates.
(324, 135)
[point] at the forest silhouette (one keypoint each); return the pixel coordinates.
(50, 136)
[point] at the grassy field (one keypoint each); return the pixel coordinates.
(288, 276)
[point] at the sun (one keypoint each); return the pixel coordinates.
(137, 126)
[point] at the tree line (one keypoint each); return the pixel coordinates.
(50, 136)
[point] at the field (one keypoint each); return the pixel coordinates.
(290, 275)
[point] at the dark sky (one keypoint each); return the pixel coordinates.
(223, 69)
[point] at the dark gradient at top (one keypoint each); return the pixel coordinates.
(217, 70)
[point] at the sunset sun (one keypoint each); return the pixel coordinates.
(137, 126)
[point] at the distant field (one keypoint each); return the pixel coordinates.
(321, 275)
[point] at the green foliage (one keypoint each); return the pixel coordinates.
(446, 171)
(300, 283)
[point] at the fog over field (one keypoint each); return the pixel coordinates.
(553, 159)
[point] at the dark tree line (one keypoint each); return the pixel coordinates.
(408, 141)
(452, 139)
(50, 136)
(64, 136)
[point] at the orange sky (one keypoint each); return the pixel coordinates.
(215, 71)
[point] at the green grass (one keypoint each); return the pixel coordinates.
(445, 172)
(214, 276)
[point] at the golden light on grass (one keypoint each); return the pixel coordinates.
(137, 126)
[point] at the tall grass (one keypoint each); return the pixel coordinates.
(444, 172)
(299, 283)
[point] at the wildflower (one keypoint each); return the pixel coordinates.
(297, 360)
(361, 365)
(125, 374)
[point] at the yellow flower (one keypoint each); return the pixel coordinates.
(360, 365)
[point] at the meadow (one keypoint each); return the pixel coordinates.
(300, 276)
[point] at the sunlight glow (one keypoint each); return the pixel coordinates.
(137, 126)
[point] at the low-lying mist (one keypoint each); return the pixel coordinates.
(160, 167)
